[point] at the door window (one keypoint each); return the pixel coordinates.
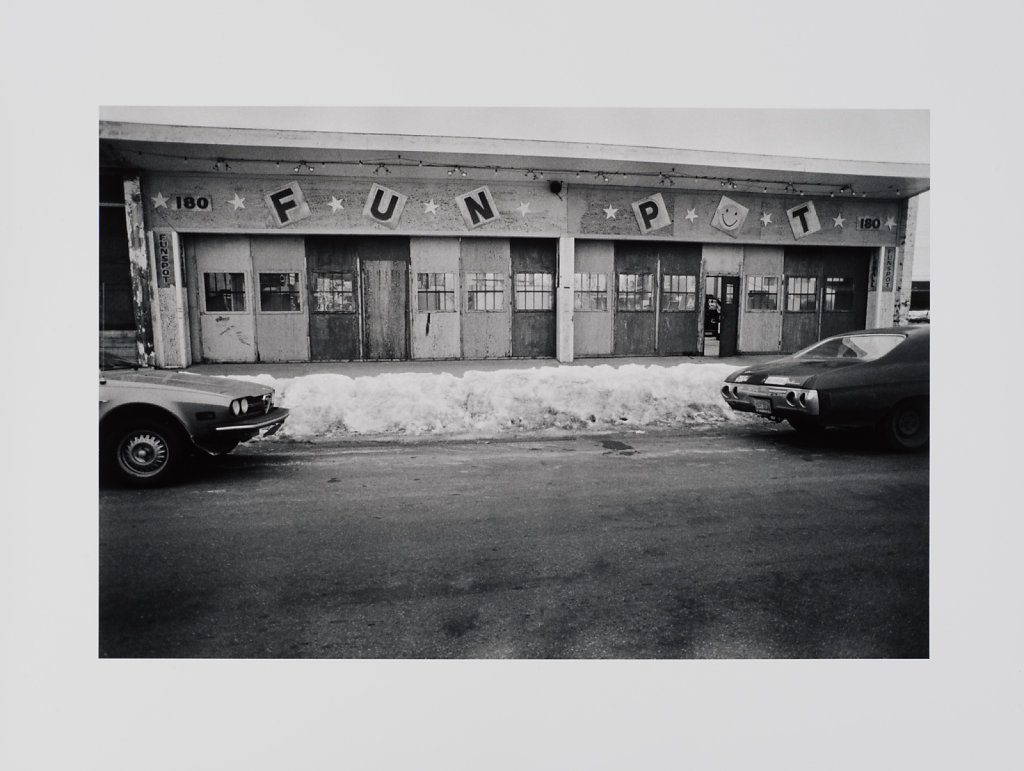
(801, 293)
(485, 292)
(534, 292)
(678, 293)
(333, 292)
(838, 293)
(590, 292)
(280, 293)
(435, 292)
(225, 292)
(635, 292)
(762, 293)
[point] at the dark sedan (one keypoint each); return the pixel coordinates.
(874, 377)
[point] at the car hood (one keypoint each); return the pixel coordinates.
(789, 371)
(185, 381)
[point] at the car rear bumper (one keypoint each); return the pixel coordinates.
(778, 402)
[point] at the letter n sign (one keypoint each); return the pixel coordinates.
(478, 207)
(288, 204)
(803, 219)
(384, 205)
(651, 213)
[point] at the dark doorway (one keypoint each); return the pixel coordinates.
(721, 315)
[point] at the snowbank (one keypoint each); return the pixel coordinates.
(542, 399)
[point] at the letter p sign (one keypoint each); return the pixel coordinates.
(651, 213)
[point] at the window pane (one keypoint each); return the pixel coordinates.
(333, 292)
(224, 292)
(839, 293)
(635, 292)
(678, 293)
(485, 291)
(762, 293)
(279, 292)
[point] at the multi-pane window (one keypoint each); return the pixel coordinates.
(485, 291)
(279, 292)
(762, 293)
(635, 292)
(801, 293)
(534, 291)
(435, 291)
(678, 293)
(590, 292)
(333, 292)
(225, 292)
(838, 293)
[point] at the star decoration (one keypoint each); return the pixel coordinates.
(838, 222)
(610, 212)
(691, 215)
(238, 203)
(890, 223)
(430, 208)
(523, 208)
(159, 200)
(335, 205)
(766, 219)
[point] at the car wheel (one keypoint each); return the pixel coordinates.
(806, 426)
(906, 427)
(146, 453)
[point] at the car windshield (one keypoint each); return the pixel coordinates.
(863, 347)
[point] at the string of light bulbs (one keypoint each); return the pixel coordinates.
(670, 178)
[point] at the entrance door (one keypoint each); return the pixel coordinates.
(722, 317)
(679, 304)
(845, 292)
(385, 277)
(282, 327)
(636, 274)
(227, 329)
(333, 298)
(533, 314)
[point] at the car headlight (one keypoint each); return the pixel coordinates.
(239, 406)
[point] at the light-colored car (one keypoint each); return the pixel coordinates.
(872, 377)
(152, 420)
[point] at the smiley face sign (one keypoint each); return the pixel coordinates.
(729, 216)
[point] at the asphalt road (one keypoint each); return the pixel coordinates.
(739, 541)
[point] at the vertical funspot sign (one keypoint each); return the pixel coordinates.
(478, 207)
(164, 262)
(651, 213)
(384, 205)
(729, 216)
(288, 204)
(803, 219)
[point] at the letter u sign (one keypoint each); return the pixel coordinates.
(384, 205)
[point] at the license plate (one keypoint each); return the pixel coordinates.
(762, 406)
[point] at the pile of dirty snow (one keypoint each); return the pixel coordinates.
(542, 399)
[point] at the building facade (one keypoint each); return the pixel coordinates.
(222, 245)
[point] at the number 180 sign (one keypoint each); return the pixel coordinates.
(190, 202)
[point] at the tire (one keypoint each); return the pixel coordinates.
(145, 453)
(906, 427)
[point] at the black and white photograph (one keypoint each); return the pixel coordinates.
(406, 396)
(520, 387)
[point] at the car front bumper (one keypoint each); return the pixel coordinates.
(778, 402)
(220, 438)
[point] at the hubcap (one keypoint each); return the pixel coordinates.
(143, 454)
(909, 423)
